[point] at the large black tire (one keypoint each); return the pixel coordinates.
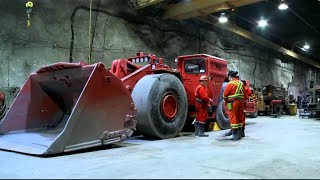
(148, 95)
(221, 116)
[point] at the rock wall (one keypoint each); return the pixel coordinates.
(121, 31)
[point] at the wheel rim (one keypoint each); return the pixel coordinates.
(169, 106)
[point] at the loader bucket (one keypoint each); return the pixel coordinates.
(65, 107)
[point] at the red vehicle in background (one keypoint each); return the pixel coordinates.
(251, 108)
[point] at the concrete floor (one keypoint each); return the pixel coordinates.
(286, 147)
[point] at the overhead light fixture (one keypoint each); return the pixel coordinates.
(283, 5)
(223, 18)
(262, 23)
(306, 47)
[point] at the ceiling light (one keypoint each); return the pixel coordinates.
(306, 47)
(282, 5)
(223, 18)
(262, 23)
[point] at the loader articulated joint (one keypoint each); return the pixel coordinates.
(129, 88)
(130, 122)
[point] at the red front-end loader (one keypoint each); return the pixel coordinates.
(70, 106)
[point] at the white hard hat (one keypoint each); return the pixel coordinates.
(204, 78)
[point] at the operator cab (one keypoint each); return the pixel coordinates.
(195, 66)
(191, 67)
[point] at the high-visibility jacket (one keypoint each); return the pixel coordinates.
(234, 90)
(201, 103)
(234, 95)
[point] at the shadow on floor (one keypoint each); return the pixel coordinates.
(99, 148)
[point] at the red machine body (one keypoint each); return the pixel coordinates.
(251, 108)
(130, 72)
(70, 106)
(3, 107)
(189, 69)
(66, 107)
(2, 96)
(215, 68)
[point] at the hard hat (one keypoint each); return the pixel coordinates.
(203, 78)
(29, 4)
(232, 73)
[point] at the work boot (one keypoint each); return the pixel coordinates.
(236, 134)
(196, 128)
(228, 133)
(201, 127)
(242, 132)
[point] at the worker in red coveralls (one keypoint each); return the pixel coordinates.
(234, 98)
(202, 101)
(247, 94)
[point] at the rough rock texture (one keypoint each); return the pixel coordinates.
(123, 33)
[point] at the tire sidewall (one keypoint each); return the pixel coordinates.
(167, 128)
(222, 120)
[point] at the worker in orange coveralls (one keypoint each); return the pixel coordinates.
(202, 101)
(234, 97)
(247, 94)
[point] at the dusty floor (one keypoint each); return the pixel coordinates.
(285, 147)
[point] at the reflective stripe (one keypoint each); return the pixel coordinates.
(239, 91)
(241, 125)
(199, 100)
(234, 126)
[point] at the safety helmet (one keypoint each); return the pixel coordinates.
(203, 78)
(232, 73)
